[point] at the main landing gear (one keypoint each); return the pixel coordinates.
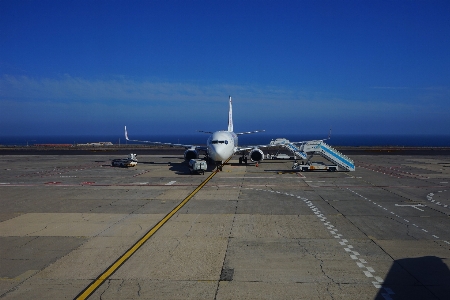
(243, 159)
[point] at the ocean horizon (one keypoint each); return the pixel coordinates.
(250, 139)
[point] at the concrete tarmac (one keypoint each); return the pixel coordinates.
(381, 232)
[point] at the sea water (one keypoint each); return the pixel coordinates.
(247, 139)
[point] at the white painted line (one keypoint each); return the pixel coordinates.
(170, 183)
(379, 279)
(343, 242)
(367, 273)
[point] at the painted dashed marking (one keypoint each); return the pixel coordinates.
(391, 171)
(414, 206)
(361, 263)
(142, 173)
(170, 183)
(430, 198)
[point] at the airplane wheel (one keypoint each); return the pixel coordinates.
(240, 160)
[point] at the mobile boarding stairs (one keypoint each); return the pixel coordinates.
(306, 150)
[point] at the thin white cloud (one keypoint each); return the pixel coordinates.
(265, 99)
(124, 101)
(70, 88)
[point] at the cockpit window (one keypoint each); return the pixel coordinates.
(220, 142)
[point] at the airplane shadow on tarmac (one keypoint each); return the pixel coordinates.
(180, 168)
(426, 277)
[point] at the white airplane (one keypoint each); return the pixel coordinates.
(220, 145)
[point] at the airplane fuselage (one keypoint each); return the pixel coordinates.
(221, 145)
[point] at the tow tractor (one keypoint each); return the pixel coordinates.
(130, 161)
(197, 166)
(313, 166)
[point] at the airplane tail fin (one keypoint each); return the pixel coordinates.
(230, 117)
(126, 134)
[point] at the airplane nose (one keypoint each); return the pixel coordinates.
(219, 152)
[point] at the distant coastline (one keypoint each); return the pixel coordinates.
(115, 150)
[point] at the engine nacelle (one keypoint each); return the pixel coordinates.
(256, 155)
(190, 154)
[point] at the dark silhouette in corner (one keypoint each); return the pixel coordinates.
(426, 277)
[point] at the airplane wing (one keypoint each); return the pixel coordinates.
(161, 143)
(282, 141)
(246, 148)
(249, 132)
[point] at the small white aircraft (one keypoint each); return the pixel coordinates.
(220, 145)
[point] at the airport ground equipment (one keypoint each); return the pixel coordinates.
(130, 161)
(281, 156)
(198, 166)
(296, 150)
(314, 166)
(306, 150)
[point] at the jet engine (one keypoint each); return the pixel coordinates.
(190, 154)
(256, 155)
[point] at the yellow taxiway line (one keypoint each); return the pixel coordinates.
(94, 285)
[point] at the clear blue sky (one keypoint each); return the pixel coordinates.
(360, 67)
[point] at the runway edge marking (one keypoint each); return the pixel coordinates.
(94, 285)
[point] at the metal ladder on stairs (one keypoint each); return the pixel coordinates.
(307, 149)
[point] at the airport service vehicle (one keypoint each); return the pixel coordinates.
(130, 161)
(198, 166)
(282, 156)
(314, 166)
